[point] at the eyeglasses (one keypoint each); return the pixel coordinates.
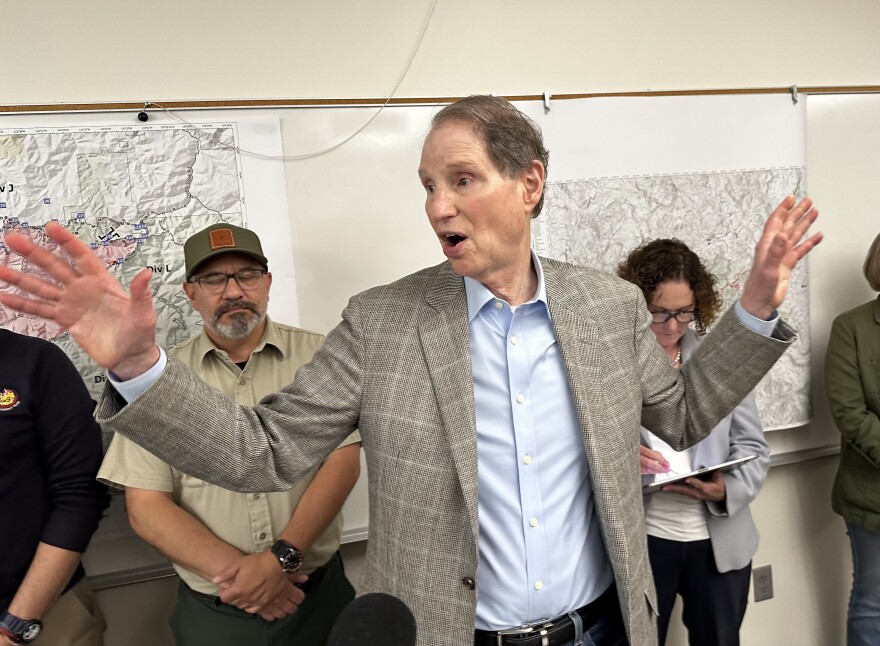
(682, 316)
(247, 279)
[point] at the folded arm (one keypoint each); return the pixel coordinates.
(253, 581)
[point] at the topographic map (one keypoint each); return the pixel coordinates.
(720, 215)
(134, 193)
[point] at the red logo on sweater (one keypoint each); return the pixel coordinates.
(8, 399)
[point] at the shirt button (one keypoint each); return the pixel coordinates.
(262, 535)
(527, 459)
(256, 496)
(514, 340)
(533, 522)
(520, 398)
(498, 305)
(539, 585)
(468, 583)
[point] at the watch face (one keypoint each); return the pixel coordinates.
(288, 556)
(30, 633)
(291, 560)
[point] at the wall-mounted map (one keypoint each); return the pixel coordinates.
(135, 194)
(720, 215)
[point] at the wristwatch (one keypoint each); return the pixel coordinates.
(291, 559)
(17, 630)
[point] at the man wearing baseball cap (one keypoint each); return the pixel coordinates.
(241, 557)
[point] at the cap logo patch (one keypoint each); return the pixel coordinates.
(221, 239)
(8, 399)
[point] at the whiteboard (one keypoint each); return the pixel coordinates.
(357, 216)
(843, 167)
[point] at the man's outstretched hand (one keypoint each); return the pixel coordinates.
(116, 328)
(780, 248)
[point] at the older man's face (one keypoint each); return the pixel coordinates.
(480, 216)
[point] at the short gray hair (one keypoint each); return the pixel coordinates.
(512, 140)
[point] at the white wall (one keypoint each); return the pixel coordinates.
(128, 50)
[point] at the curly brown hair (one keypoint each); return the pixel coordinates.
(657, 261)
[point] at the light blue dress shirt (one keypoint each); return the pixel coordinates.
(541, 549)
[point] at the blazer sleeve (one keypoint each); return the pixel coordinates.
(268, 447)
(847, 371)
(683, 406)
(746, 438)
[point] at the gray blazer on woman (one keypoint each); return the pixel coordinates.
(731, 529)
(398, 367)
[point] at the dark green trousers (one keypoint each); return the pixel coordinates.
(199, 620)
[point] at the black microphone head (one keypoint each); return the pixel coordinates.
(374, 619)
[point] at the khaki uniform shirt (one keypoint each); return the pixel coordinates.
(250, 522)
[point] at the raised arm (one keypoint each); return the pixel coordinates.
(777, 252)
(116, 328)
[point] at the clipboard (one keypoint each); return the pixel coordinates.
(703, 473)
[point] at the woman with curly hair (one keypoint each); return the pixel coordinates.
(701, 537)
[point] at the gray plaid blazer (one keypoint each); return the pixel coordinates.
(398, 368)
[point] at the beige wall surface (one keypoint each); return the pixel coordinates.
(105, 51)
(130, 50)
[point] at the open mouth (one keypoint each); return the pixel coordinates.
(452, 239)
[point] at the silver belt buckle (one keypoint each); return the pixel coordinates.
(540, 627)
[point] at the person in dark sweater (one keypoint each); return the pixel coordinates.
(50, 502)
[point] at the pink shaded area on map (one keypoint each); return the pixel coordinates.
(31, 325)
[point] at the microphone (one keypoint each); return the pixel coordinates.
(374, 619)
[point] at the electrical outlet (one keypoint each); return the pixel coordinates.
(762, 581)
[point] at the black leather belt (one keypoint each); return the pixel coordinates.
(552, 632)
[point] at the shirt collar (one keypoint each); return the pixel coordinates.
(478, 295)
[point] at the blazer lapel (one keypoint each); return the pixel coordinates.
(578, 336)
(445, 341)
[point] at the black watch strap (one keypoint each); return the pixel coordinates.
(290, 558)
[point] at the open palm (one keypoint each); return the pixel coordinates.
(778, 251)
(115, 327)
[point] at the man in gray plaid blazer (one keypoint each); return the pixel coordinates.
(499, 397)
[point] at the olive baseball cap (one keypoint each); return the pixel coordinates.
(220, 238)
